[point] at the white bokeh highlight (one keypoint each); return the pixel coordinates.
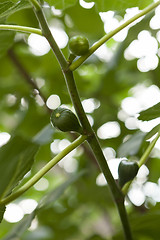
(38, 45)
(4, 138)
(28, 205)
(13, 213)
(53, 101)
(109, 130)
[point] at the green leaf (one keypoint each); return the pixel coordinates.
(146, 224)
(6, 41)
(9, 7)
(20, 228)
(56, 193)
(61, 4)
(152, 132)
(52, 196)
(45, 135)
(150, 113)
(2, 210)
(119, 5)
(132, 145)
(16, 159)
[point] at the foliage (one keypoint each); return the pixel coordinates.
(77, 205)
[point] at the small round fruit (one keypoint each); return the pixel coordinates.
(79, 45)
(65, 120)
(127, 170)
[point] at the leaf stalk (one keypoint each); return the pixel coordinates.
(43, 171)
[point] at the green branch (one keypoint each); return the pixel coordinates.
(93, 141)
(48, 35)
(148, 150)
(44, 170)
(96, 148)
(36, 4)
(142, 160)
(98, 44)
(21, 29)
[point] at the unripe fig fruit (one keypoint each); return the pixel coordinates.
(65, 120)
(78, 45)
(127, 170)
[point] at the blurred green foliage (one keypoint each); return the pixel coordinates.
(85, 210)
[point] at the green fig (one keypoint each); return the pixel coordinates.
(65, 120)
(78, 45)
(127, 170)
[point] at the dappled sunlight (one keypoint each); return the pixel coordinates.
(155, 20)
(109, 130)
(70, 172)
(145, 45)
(136, 195)
(113, 166)
(14, 213)
(53, 101)
(34, 225)
(147, 63)
(90, 119)
(4, 138)
(100, 180)
(86, 5)
(111, 22)
(60, 36)
(70, 164)
(90, 105)
(54, 146)
(131, 123)
(28, 205)
(38, 44)
(104, 53)
(152, 190)
(142, 98)
(145, 49)
(142, 174)
(109, 153)
(146, 126)
(131, 106)
(56, 12)
(42, 184)
(11, 99)
(40, 82)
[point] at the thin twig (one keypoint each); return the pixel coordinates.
(43, 170)
(26, 75)
(105, 38)
(22, 29)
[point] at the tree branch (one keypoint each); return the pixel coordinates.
(26, 75)
(93, 141)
